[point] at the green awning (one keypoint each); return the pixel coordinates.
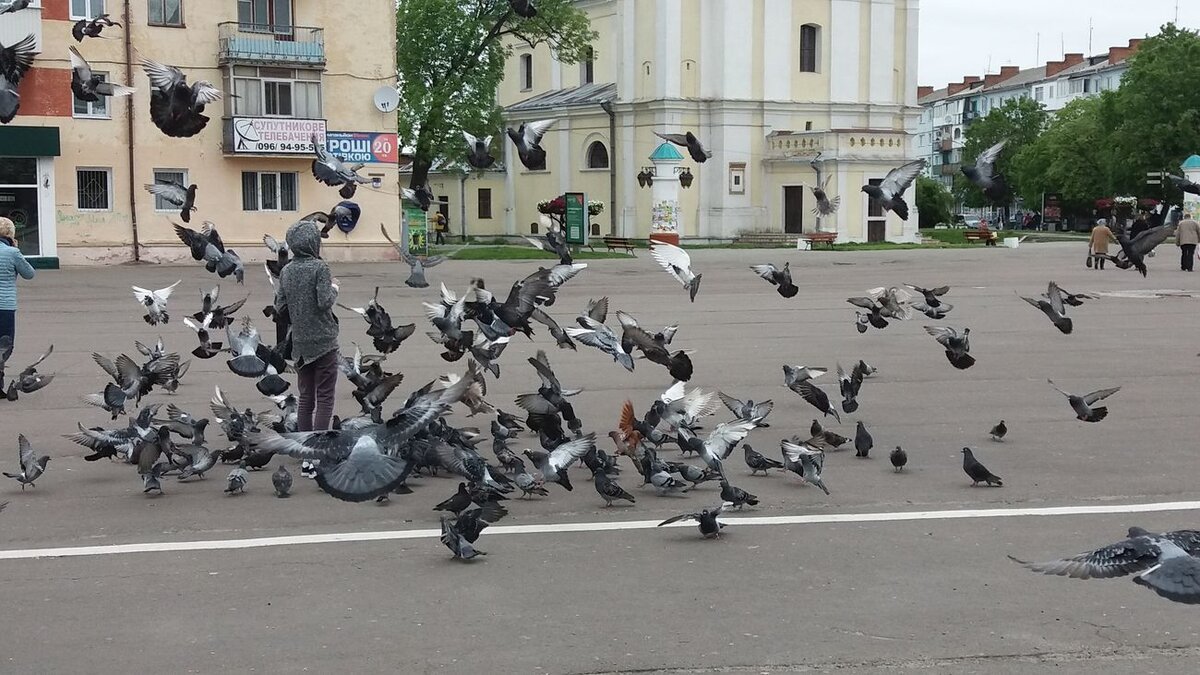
(29, 142)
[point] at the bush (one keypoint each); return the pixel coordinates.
(934, 202)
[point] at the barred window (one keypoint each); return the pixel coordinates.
(94, 189)
(270, 191)
(168, 176)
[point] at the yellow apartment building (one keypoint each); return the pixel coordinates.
(778, 90)
(72, 173)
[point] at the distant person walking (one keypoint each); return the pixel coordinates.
(441, 226)
(1187, 235)
(1098, 244)
(12, 263)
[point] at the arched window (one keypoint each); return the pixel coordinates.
(810, 47)
(597, 156)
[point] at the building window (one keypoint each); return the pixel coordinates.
(810, 45)
(96, 109)
(737, 178)
(1076, 87)
(587, 67)
(484, 206)
(957, 133)
(94, 189)
(1038, 94)
(165, 13)
(276, 92)
(269, 191)
(265, 16)
(86, 9)
(597, 156)
(179, 176)
(526, 72)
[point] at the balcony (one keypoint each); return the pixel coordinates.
(15, 27)
(943, 145)
(271, 45)
(792, 145)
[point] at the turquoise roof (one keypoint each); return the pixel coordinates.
(667, 153)
(1192, 162)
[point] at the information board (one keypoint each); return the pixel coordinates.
(575, 220)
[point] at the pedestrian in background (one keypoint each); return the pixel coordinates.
(441, 226)
(1098, 243)
(307, 292)
(1187, 235)
(12, 263)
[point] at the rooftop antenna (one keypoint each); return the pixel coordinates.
(1037, 49)
(1177, 12)
(1090, 32)
(1062, 46)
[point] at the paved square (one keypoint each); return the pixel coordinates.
(931, 593)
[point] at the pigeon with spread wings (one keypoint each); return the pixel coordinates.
(957, 344)
(528, 138)
(176, 107)
(155, 303)
(985, 175)
(87, 85)
(688, 140)
(1082, 405)
(890, 193)
(15, 61)
(479, 155)
(678, 264)
(332, 171)
(825, 206)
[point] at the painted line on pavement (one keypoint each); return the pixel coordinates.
(552, 528)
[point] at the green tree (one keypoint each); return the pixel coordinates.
(1074, 156)
(1020, 121)
(450, 57)
(935, 203)
(1157, 108)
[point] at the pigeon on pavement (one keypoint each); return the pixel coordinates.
(710, 528)
(862, 441)
(978, 472)
(459, 534)
(758, 461)
(609, 490)
(899, 458)
(736, 496)
(999, 431)
(282, 481)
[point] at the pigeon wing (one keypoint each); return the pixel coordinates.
(1100, 395)
(1176, 579)
(672, 259)
(723, 439)
(677, 139)
(25, 453)
(985, 164)
(1115, 560)
(898, 179)
(534, 131)
(562, 457)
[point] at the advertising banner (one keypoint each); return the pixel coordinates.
(415, 229)
(363, 147)
(576, 218)
(277, 136)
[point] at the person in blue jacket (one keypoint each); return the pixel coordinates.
(12, 263)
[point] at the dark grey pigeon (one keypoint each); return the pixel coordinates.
(748, 410)
(176, 107)
(850, 385)
(978, 472)
(176, 194)
(459, 534)
(899, 458)
(528, 138)
(957, 344)
(332, 171)
(1051, 305)
(999, 431)
(88, 86)
(15, 61)
(523, 8)
(862, 441)
(688, 140)
(710, 528)
(758, 461)
(282, 480)
(479, 156)
(932, 295)
(890, 193)
(1082, 405)
(609, 490)
(91, 28)
(736, 495)
(816, 397)
(781, 279)
(984, 174)
(805, 460)
(1185, 184)
(825, 206)
(1134, 251)
(1163, 562)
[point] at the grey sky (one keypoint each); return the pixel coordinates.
(961, 37)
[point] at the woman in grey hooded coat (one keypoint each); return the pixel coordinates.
(307, 293)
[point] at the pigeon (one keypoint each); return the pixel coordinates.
(890, 193)
(1136, 250)
(678, 264)
(247, 352)
(720, 442)
(688, 140)
(1072, 299)
(282, 480)
(385, 337)
(693, 474)
(87, 86)
(780, 278)
(523, 8)
(527, 138)
(554, 464)
(459, 534)
(748, 410)
(531, 484)
(999, 431)
(758, 461)
(155, 303)
(207, 246)
(554, 242)
(850, 386)
(653, 347)
(421, 194)
(176, 107)
(32, 466)
(825, 206)
(899, 458)
(1051, 305)
(936, 313)
(29, 379)
(932, 295)
(805, 461)
(736, 496)
(978, 472)
(202, 461)
(1082, 405)
(710, 527)
(176, 194)
(664, 483)
(416, 264)
(874, 316)
(816, 397)
(984, 174)
(610, 491)
(332, 171)
(15, 61)
(458, 502)
(237, 479)
(1179, 182)
(957, 344)
(129, 381)
(207, 348)
(595, 334)
(1164, 562)
(91, 28)
(862, 441)
(794, 375)
(479, 156)
(12, 7)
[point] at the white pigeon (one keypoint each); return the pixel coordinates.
(155, 303)
(678, 264)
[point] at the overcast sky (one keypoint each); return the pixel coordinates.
(964, 37)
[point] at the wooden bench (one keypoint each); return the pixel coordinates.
(988, 237)
(614, 243)
(814, 238)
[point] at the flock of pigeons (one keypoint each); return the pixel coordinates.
(371, 455)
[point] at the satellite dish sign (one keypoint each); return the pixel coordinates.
(387, 99)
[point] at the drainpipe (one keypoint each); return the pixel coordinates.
(133, 219)
(462, 204)
(612, 166)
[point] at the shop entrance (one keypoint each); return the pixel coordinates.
(19, 200)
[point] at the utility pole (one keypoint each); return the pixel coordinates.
(1037, 49)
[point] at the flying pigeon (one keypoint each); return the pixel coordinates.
(780, 278)
(176, 107)
(1082, 405)
(13, 6)
(459, 534)
(890, 193)
(899, 458)
(1051, 305)
(554, 464)
(825, 206)
(678, 264)
(804, 460)
(1163, 562)
(479, 156)
(793, 375)
(15, 61)
(91, 28)
(527, 138)
(28, 380)
(176, 194)
(999, 431)
(688, 140)
(32, 466)
(554, 242)
(720, 443)
(978, 472)
(850, 386)
(332, 171)
(654, 348)
(1134, 251)
(523, 8)
(710, 527)
(155, 303)
(594, 333)
(748, 410)
(862, 441)
(207, 246)
(957, 344)
(816, 397)
(984, 174)
(932, 295)
(936, 313)
(87, 86)
(207, 348)
(1180, 182)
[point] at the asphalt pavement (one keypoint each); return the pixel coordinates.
(815, 583)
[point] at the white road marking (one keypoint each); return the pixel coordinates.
(550, 528)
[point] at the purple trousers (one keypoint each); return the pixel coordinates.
(317, 384)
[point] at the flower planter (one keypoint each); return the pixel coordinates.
(665, 237)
